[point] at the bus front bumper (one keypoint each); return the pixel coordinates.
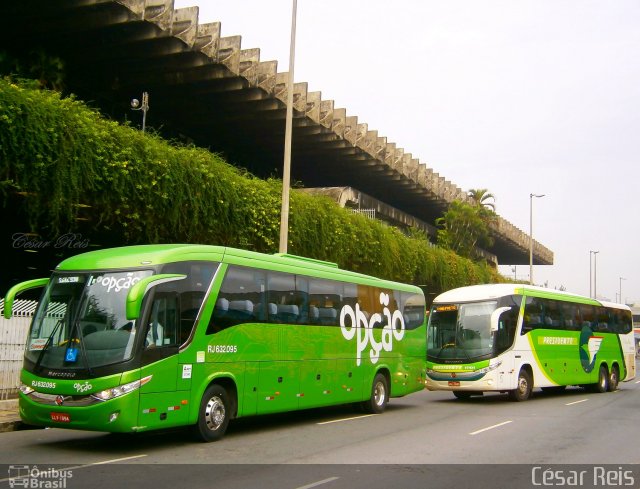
(119, 415)
(484, 382)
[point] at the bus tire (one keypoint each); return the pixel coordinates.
(614, 378)
(377, 402)
(603, 380)
(524, 387)
(214, 413)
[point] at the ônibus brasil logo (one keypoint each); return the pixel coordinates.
(354, 323)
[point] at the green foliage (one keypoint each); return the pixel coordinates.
(37, 67)
(465, 227)
(70, 164)
(481, 196)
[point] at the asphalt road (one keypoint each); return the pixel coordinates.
(420, 438)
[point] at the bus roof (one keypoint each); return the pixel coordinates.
(490, 291)
(151, 255)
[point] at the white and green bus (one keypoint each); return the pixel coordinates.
(512, 338)
(148, 337)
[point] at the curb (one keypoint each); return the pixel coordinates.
(9, 417)
(9, 405)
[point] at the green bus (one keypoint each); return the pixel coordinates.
(512, 338)
(149, 337)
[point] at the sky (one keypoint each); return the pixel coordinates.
(515, 96)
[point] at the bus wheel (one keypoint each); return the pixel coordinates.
(614, 378)
(213, 416)
(603, 380)
(524, 388)
(379, 398)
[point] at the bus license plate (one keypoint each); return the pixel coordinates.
(60, 417)
(454, 383)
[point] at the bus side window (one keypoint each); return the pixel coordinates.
(241, 299)
(413, 309)
(533, 315)
(162, 328)
(327, 297)
(507, 328)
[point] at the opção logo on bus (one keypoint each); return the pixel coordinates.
(110, 282)
(360, 327)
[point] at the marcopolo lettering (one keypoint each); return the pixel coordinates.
(354, 323)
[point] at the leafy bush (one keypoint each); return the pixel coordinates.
(69, 164)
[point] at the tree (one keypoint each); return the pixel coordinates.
(481, 197)
(464, 227)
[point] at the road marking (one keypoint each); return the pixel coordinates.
(490, 427)
(74, 467)
(319, 483)
(637, 381)
(576, 402)
(346, 419)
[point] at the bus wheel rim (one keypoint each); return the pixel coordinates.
(214, 413)
(522, 385)
(379, 394)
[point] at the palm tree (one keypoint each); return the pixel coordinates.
(463, 227)
(481, 196)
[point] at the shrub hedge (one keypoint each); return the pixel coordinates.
(68, 161)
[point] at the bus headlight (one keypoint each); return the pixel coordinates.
(120, 390)
(492, 366)
(25, 389)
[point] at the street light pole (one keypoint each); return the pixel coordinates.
(144, 107)
(531, 196)
(591, 294)
(286, 172)
(595, 274)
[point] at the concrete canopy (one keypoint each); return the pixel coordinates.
(207, 89)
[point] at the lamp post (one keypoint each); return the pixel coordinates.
(595, 274)
(286, 172)
(591, 294)
(144, 107)
(531, 196)
(621, 279)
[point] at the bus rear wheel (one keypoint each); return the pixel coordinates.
(614, 378)
(524, 387)
(213, 416)
(377, 402)
(603, 380)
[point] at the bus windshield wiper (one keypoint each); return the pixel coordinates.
(83, 348)
(46, 345)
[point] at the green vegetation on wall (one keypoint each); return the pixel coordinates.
(69, 163)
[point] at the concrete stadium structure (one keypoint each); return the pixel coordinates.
(206, 89)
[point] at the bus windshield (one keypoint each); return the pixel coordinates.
(463, 332)
(81, 323)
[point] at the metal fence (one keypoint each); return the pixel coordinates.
(370, 213)
(13, 336)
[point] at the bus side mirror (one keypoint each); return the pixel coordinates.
(139, 290)
(495, 317)
(17, 289)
